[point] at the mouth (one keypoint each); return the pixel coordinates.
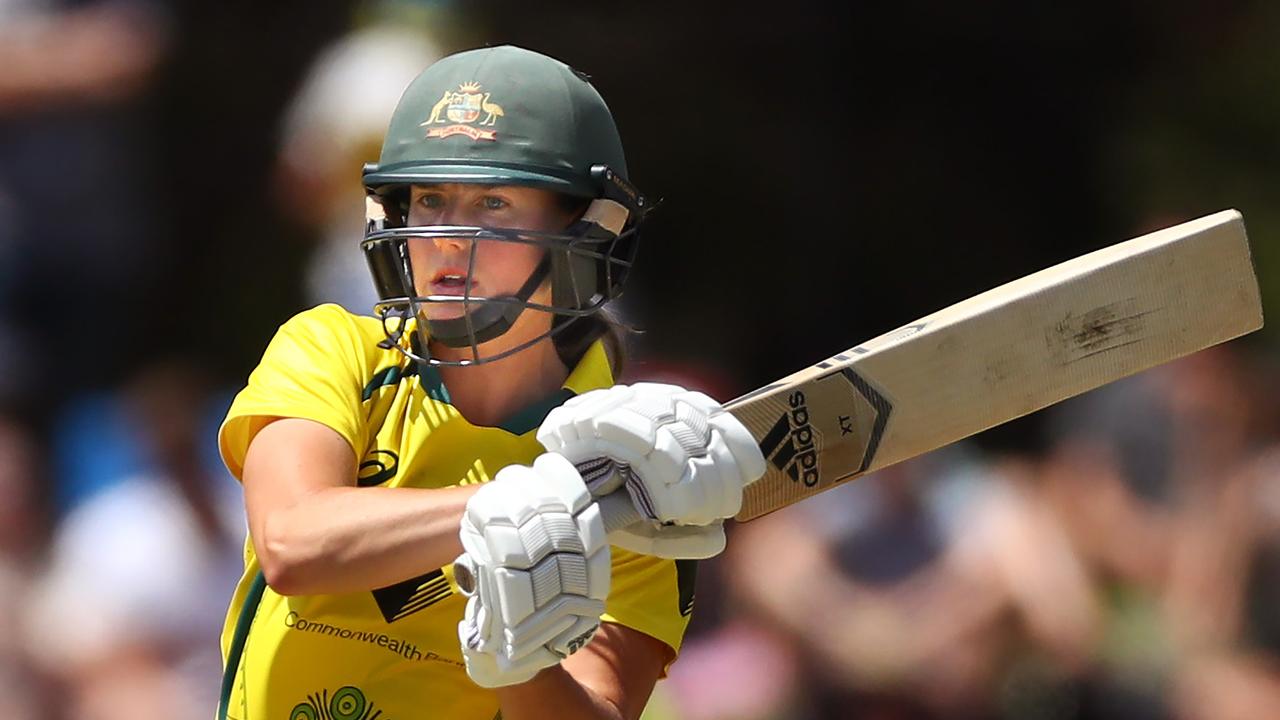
(451, 281)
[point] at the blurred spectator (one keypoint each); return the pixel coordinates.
(333, 126)
(1182, 569)
(23, 693)
(916, 592)
(77, 216)
(128, 613)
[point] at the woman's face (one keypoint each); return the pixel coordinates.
(440, 265)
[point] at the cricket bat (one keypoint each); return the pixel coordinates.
(998, 356)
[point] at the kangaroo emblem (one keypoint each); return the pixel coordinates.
(439, 107)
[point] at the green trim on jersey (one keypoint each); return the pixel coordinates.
(433, 384)
(686, 579)
(243, 624)
(384, 377)
(522, 421)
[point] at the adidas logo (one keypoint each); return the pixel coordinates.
(792, 443)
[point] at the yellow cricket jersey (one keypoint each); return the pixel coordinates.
(391, 653)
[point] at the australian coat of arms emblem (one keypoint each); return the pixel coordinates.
(457, 111)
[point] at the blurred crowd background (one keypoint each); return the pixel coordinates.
(179, 177)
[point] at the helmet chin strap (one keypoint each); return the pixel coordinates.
(491, 319)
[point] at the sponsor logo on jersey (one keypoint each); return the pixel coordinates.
(347, 703)
(457, 111)
(413, 595)
(394, 645)
(792, 444)
(378, 467)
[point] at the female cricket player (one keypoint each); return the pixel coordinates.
(425, 533)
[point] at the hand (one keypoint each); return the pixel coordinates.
(536, 570)
(682, 458)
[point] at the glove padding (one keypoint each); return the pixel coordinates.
(682, 458)
(536, 570)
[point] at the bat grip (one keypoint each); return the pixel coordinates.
(617, 510)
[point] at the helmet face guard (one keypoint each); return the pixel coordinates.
(501, 116)
(586, 266)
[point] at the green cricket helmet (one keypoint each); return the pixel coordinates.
(502, 116)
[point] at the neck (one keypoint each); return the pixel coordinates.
(489, 393)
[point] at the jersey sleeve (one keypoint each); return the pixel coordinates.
(651, 595)
(314, 368)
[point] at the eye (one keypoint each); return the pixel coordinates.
(493, 202)
(431, 201)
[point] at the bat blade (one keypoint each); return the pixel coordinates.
(1000, 355)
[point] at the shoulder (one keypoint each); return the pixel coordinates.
(316, 368)
(328, 335)
(331, 320)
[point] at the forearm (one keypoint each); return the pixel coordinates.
(347, 539)
(554, 694)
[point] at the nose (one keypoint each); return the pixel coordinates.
(446, 242)
(450, 242)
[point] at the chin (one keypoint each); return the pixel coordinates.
(442, 312)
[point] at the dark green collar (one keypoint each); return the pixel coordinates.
(433, 384)
(591, 372)
(520, 422)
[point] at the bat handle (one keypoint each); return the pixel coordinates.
(617, 510)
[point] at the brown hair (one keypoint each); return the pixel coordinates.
(573, 341)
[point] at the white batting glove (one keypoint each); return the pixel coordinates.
(536, 570)
(682, 458)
